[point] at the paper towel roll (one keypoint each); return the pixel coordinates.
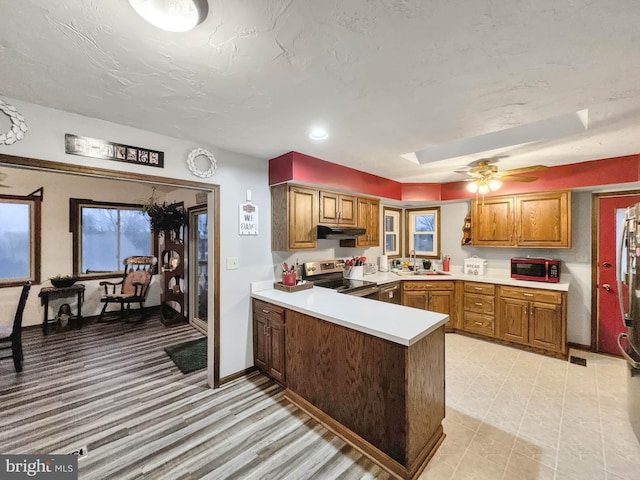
(383, 263)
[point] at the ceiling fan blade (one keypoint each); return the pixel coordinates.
(516, 178)
(462, 172)
(517, 171)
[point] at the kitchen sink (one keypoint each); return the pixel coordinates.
(420, 272)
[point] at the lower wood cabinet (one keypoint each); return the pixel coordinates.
(478, 303)
(533, 317)
(433, 296)
(269, 339)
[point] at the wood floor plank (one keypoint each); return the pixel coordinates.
(112, 388)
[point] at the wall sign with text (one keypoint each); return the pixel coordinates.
(248, 219)
(92, 147)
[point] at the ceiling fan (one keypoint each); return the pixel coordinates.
(485, 175)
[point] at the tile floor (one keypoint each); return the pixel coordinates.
(512, 414)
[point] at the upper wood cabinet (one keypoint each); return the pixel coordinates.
(294, 217)
(537, 220)
(369, 218)
(338, 209)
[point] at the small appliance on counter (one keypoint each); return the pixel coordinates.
(537, 269)
(475, 266)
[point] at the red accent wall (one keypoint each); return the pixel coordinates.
(297, 167)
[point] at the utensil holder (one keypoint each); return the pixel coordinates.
(354, 273)
(289, 278)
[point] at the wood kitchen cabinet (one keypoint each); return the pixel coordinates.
(269, 339)
(533, 317)
(337, 208)
(479, 308)
(294, 217)
(369, 218)
(433, 296)
(537, 220)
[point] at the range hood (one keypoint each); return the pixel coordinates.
(339, 232)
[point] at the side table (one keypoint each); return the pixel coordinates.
(53, 292)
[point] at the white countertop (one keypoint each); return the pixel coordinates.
(398, 324)
(497, 277)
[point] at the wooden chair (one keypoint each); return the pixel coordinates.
(134, 286)
(13, 334)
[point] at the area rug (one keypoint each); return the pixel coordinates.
(189, 356)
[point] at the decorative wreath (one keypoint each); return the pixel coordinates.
(196, 152)
(18, 125)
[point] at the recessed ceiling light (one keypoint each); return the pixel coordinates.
(318, 134)
(172, 15)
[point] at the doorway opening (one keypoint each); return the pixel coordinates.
(211, 206)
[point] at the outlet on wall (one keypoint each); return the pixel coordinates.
(232, 263)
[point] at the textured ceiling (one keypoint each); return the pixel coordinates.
(386, 77)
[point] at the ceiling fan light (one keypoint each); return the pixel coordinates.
(483, 189)
(495, 185)
(172, 15)
(472, 187)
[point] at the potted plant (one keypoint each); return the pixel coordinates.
(167, 218)
(62, 281)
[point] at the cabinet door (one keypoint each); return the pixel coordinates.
(543, 220)
(303, 215)
(493, 222)
(260, 345)
(348, 209)
(415, 299)
(443, 302)
(545, 326)
(329, 208)
(275, 336)
(513, 320)
(369, 218)
(373, 225)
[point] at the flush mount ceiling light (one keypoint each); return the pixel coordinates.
(172, 15)
(318, 133)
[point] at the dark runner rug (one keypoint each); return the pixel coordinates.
(189, 356)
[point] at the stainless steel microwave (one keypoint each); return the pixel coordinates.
(536, 269)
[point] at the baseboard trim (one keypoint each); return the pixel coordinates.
(240, 374)
(580, 346)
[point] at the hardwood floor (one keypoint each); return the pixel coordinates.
(110, 387)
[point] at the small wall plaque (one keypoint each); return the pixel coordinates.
(95, 148)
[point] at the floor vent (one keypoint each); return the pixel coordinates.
(80, 452)
(578, 360)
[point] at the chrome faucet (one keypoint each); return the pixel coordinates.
(412, 254)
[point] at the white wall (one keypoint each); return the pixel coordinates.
(235, 174)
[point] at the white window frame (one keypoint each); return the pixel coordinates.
(396, 213)
(409, 223)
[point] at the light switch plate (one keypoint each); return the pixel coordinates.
(232, 263)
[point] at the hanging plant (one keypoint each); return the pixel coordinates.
(167, 218)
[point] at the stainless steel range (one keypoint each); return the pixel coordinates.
(328, 274)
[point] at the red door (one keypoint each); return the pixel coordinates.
(612, 210)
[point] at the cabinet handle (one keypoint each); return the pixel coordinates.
(265, 311)
(428, 285)
(264, 329)
(526, 312)
(478, 288)
(478, 323)
(528, 294)
(479, 304)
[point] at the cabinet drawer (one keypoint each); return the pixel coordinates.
(483, 288)
(531, 294)
(427, 285)
(478, 323)
(479, 303)
(268, 310)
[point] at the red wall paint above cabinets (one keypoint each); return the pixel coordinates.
(297, 167)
